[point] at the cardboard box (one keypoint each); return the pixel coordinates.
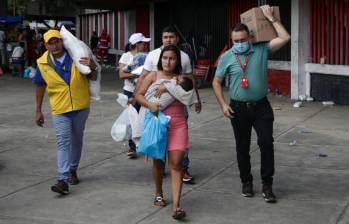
(261, 29)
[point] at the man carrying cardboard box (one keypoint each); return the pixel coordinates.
(246, 66)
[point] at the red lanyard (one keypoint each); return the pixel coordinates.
(243, 66)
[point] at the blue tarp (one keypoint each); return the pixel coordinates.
(11, 20)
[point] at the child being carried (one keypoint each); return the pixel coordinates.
(176, 89)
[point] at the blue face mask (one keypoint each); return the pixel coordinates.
(241, 47)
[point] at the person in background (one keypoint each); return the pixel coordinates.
(138, 43)
(103, 46)
(94, 42)
(18, 59)
(69, 96)
(33, 53)
(246, 65)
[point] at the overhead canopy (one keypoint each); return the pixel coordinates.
(11, 20)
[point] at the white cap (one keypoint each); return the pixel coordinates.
(138, 37)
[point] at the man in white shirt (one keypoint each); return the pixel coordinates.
(170, 36)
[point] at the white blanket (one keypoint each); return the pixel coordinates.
(174, 92)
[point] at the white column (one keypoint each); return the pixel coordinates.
(300, 20)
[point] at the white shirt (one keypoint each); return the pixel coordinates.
(127, 59)
(17, 52)
(152, 59)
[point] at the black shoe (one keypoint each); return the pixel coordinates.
(60, 187)
(73, 180)
(247, 189)
(268, 194)
(132, 154)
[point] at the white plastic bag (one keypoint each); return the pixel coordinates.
(133, 116)
(122, 99)
(125, 124)
(76, 49)
(121, 130)
(32, 72)
(95, 85)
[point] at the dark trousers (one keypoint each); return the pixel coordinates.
(260, 116)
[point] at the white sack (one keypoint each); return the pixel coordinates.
(76, 49)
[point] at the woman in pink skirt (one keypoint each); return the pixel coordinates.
(169, 67)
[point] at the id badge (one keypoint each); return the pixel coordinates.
(244, 82)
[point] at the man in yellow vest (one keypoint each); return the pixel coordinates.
(69, 97)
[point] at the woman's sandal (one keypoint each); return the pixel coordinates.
(178, 214)
(159, 201)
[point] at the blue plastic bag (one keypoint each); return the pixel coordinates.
(26, 73)
(153, 141)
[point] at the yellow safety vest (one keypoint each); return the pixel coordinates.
(63, 97)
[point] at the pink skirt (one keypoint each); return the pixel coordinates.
(177, 137)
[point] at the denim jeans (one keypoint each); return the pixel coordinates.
(69, 130)
(186, 161)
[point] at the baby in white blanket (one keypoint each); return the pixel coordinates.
(181, 90)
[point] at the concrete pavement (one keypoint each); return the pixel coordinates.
(114, 189)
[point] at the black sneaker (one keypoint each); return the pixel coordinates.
(268, 194)
(60, 187)
(132, 154)
(247, 189)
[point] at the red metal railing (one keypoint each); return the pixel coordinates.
(329, 32)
